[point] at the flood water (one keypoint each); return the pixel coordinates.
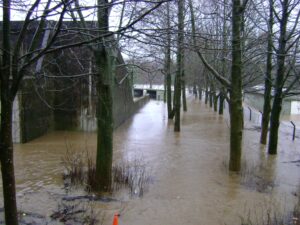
(191, 184)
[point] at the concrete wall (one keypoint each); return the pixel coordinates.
(35, 117)
(160, 95)
(256, 100)
(37, 111)
(122, 111)
(65, 102)
(139, 103)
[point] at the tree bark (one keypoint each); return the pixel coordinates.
(236, 109)
(168, 64)
(104, 137)
(277, 103)
(221, 103)
(195, 93)
(268, 81)
(183, 82)
(7, 161)
(224, 64)
(179, 72)
(206, 95)
(105, 106)
(215, 102)
(200, 93)
(177, 102)
(6, 146)
(183, 95)
(211, 98)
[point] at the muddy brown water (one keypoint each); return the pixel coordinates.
(190, 185)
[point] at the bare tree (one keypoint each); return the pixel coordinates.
(15, 64)
(179, 64)
(287, 14)
(17, 60)
(268, 79)
(234, 85)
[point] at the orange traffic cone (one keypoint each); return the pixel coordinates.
(116, 219)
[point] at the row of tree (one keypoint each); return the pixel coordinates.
(232, 46)
(20, 56)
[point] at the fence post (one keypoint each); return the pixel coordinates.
(294, 130)
(250, 113)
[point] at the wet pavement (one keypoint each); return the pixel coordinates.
(191, 184)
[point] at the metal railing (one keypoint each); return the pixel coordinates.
(288, 127)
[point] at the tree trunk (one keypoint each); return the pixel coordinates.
(195, 91)
(104, 138)
(177, 102)
(200, 93)
(211, 99)
(206, 95)
(215, 102)
(169, 95)
(104, 123)
(183, 95)
(276, 108)
(7, 160)
(172, 113)
(6, 146)
(168, 65)
(104, 105)
(268, 82)
(221, 103)
(236, 109)
(224, 64)
(183, 82)
(179, 72)
(266, 114)
(274, 123)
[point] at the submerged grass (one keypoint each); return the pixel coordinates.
(77, 213)
(74, 166)
(80, 171)
(133, 175)
(255, 178)
(252, 176)
(272, 215)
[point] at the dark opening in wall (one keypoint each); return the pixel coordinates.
(138, 93)
(152, 94)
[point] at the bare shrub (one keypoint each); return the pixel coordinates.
(133, 175)
(90, 173)
(73, 163)
(80, 170)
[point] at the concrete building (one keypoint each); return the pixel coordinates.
(290, 105)
(155, 92)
